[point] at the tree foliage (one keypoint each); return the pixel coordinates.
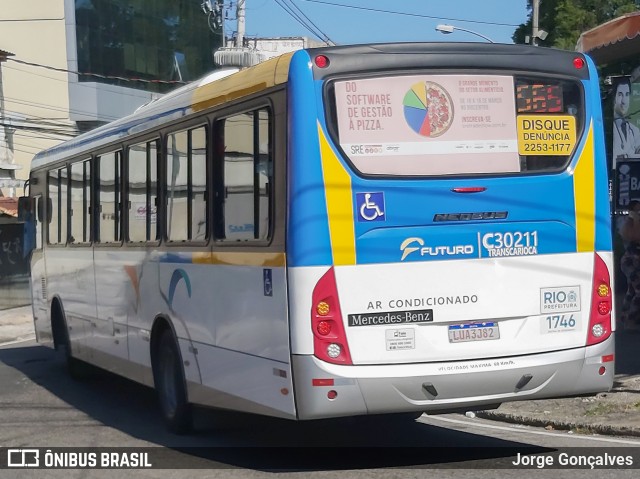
(565, 20)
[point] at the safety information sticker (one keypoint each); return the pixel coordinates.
(398, 339)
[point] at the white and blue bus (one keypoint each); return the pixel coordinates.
(341, 231)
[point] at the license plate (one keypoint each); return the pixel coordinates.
(463, 333)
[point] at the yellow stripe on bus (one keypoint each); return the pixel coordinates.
(585, 196)
(244, 83)
(337, 187)
(240, 258)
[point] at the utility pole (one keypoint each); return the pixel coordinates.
(535, 19)
(6, 150)
(240, 13)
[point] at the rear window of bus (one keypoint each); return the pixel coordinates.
(456, 124)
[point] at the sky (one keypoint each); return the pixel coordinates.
(357, 21)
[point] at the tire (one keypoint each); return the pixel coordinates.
(170, 385)
(78, 369)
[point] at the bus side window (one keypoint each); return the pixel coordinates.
(142, 191)
(57, 209)
(186, 185)
(80, 201)
(246, 174)
(109, 197)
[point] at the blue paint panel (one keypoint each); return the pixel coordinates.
(308, 241)
(414, 203)
(603, 214)
(544, 202)
(178, 275)
(464, 241)
(183, 258)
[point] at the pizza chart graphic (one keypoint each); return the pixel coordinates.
(428, 109)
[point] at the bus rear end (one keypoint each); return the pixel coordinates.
(448, 228)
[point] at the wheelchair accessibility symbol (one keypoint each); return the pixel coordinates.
(370, 206)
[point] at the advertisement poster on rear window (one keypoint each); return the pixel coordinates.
(429, 124)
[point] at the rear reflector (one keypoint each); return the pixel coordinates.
(322, 382)
(608, 358)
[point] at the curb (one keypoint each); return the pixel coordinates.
(581, 427)
(17, 340)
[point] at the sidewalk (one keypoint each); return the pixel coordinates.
(16, 324)
(614, 413)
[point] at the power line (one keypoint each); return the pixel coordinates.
(35, 128)
(326, 37)
(97, 75)
(30, 19)
(31, 153)
(44, 106)
(41, 136)
(26, 146)
(78, 84)
(410, 14)
(39, 122)
(302, 22)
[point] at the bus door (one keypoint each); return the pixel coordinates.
(113, 286)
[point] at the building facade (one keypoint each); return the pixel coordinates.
(77, 64)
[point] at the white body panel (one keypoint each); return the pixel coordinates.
(434, 374)
(506, 291)
(233, 334)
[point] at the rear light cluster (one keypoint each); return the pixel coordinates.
(329, 338)
(601, 304)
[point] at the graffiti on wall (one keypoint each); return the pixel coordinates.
(12, 259)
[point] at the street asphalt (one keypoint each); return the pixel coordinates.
(616, 412)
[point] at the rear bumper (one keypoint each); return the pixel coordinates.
(435, 387)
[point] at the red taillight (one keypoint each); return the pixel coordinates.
(323, 328)
(469, 189)
(578, 63)
(329, 337)
(321, 61)
(601, 303)
(604, 307)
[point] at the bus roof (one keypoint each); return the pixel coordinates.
(214, 89)
(227, 85)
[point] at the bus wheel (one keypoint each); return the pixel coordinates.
(170, 385)
(78, 369)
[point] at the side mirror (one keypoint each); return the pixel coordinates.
(26, 214)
